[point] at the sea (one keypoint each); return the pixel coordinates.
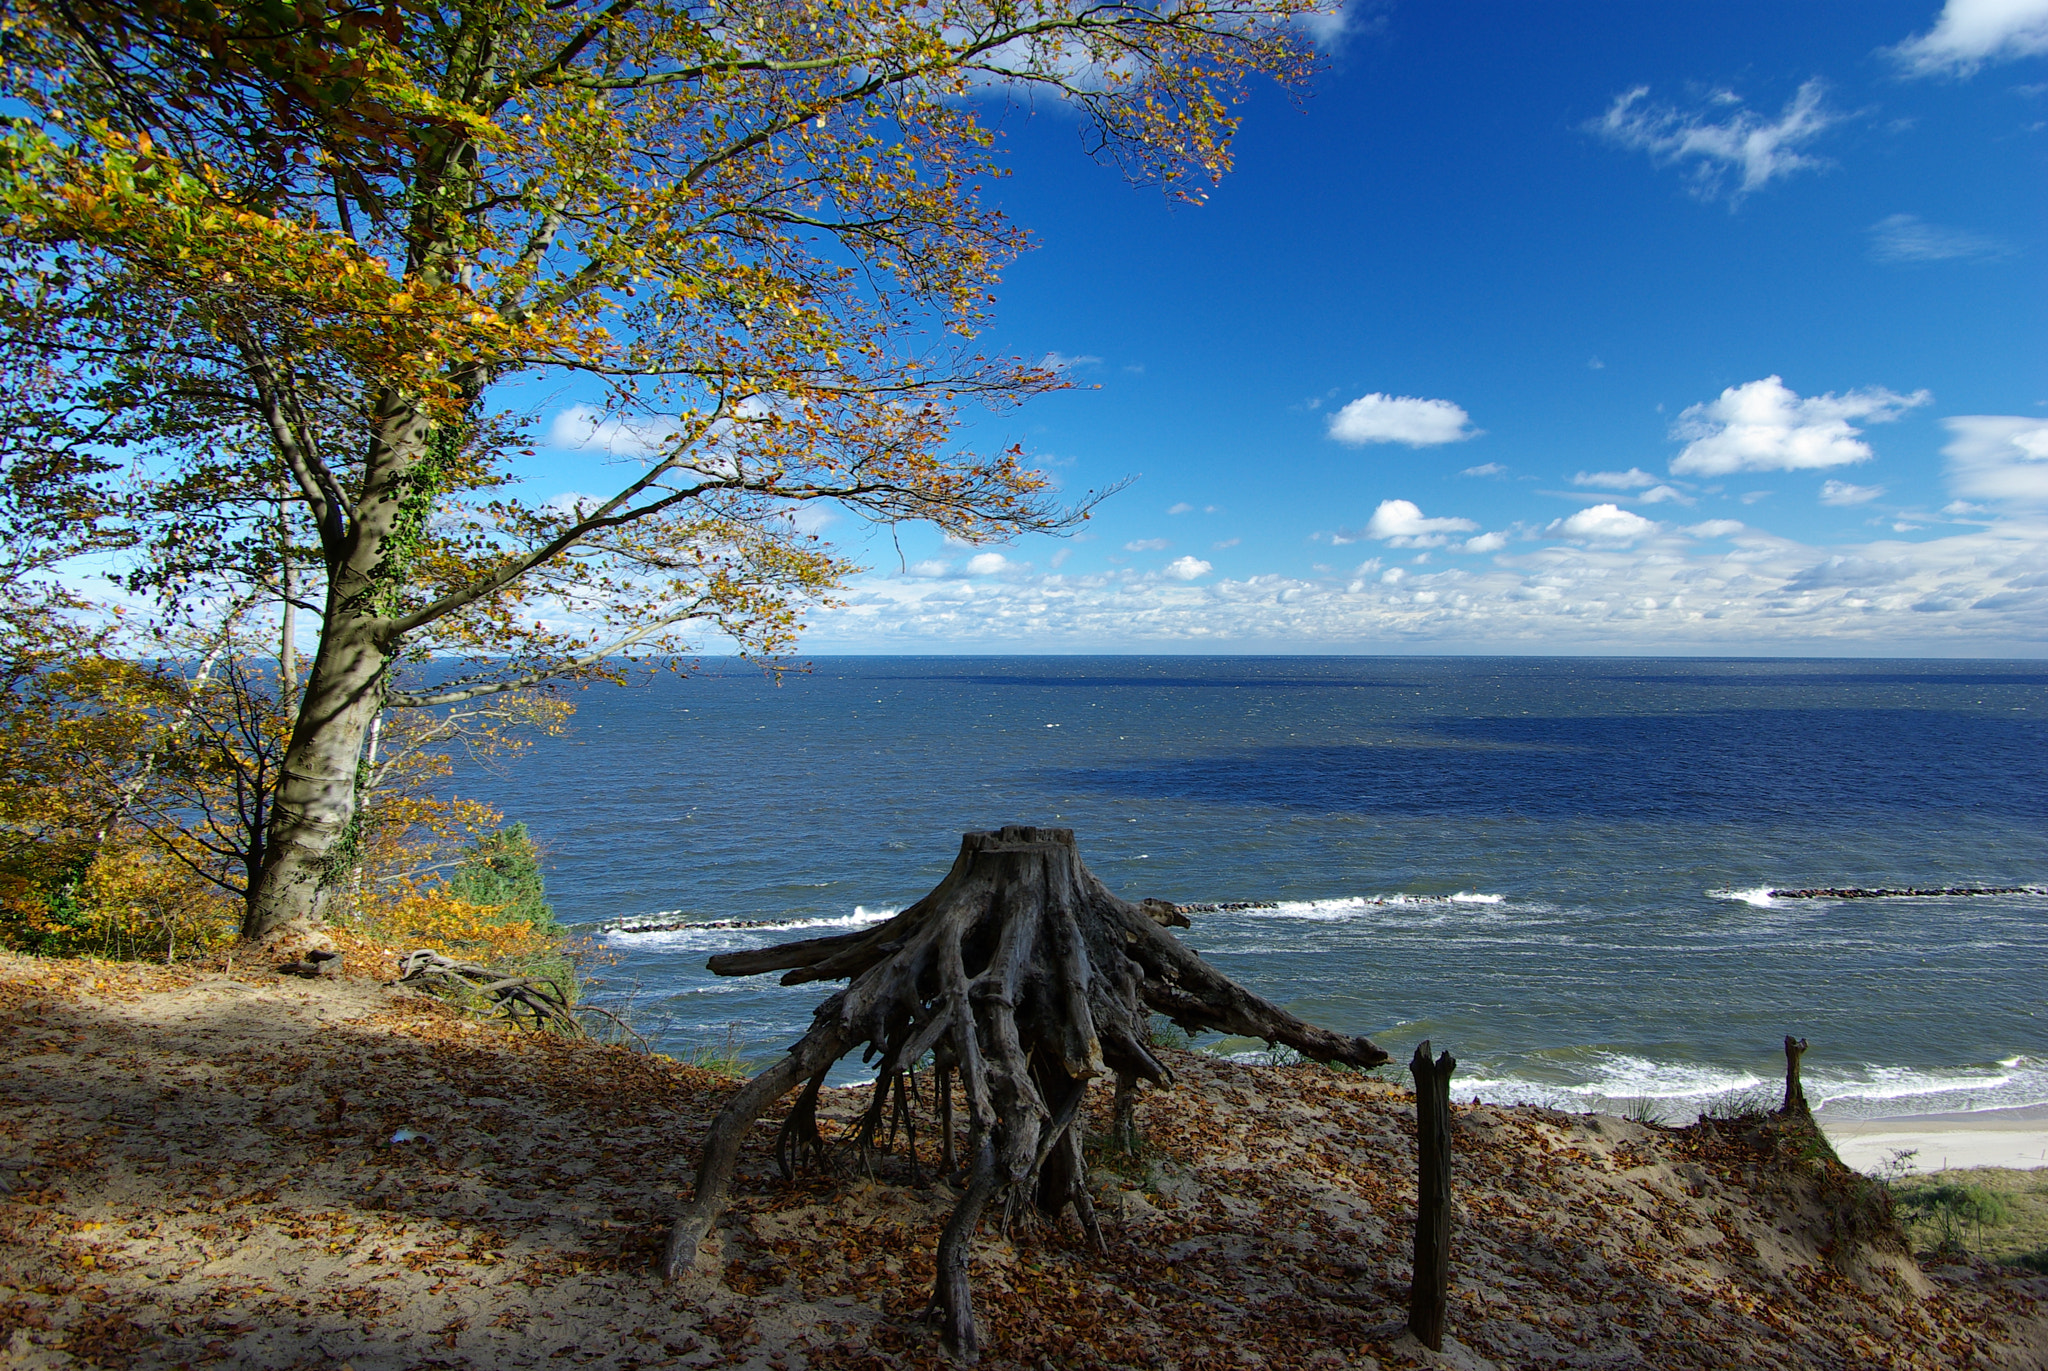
(1558, 869)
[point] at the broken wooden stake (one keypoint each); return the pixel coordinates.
(1795, 1095)
(1430, 1289)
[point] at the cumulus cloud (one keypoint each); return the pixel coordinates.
(1722, 589)
(1378, 418)
(581, 428)
(2002, 458)
(1658, 495)
(1970, 33)
(1844, 493)
(1486, 542)
(1607, 523)
(1485, 469)
(1905, 238)
(1147, 545)
(1635, 478)
(1715, 528)
(572, 504)
(1765, 426)
(1401, 523)
(929, 568)
(989, 564)
(1727, 141)
(1187, 568)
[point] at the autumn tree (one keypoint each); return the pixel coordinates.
(309, 247)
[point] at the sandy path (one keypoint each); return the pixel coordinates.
(199, 1170)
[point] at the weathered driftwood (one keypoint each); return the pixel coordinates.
(1429, 1289)
(1026, 979)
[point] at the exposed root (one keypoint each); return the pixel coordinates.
(1026, 979)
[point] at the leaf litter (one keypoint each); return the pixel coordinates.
(198, 1168)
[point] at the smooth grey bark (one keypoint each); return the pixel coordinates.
(344, 689)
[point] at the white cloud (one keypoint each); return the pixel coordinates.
(1970, 33)
(581, 428)
(1187, 568)
(1147, 545)
(1378, 418)
(1486, 542)
(1060, 361)
(1905, 238)
(1765, 426)
(1658, 495)
(929, 568)
(1226, 543)
(1728, 140)
(1843, 493)
(1604, 524)
(1723, 589)
(1059, 559)
(1326, 25)
(1183, 507)
(1485, 469)
(989, 564)
(1635, 478)
(1999, 457)
(1401, 523)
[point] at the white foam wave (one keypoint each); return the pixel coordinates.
(1614, 1082)
(1757, 896)
(727, 930)
(1359, 906)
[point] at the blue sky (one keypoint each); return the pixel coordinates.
(1609, 327)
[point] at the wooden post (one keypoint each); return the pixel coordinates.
(1430, 1290)
(1795, 1096)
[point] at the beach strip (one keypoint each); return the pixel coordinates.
(2015, 1138)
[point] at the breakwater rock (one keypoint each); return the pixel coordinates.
(1857, 892)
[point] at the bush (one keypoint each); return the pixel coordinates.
(502, 870)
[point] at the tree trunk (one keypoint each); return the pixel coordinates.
(1030, 979)
(344, 690)
(1429, 1289)
(316, 790)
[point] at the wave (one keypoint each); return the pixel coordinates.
(676, 926)
(1676, 1092)
(1342, 907)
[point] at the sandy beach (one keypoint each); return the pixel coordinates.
(2014, 1138)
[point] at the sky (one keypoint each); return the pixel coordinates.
(1611, 328)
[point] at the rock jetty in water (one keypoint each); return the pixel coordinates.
(1857, 892)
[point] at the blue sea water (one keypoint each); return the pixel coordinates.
(1552, 867)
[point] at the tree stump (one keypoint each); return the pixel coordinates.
(1025, 978)
(1429, 1289)
(1795, 1093)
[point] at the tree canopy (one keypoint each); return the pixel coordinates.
(292, 256)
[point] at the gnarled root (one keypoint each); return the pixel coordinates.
(1026, 979)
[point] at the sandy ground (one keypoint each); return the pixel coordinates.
(199, 1169)
(2016, 1139)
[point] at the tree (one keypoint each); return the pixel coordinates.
(333, 235)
